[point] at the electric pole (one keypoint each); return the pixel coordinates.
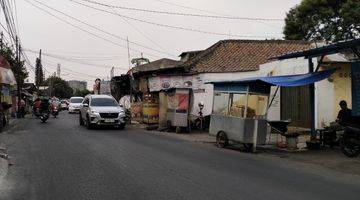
(1, 41)
(18, 64)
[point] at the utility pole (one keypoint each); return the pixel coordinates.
(128, 48)
(131, 76)
(1, 41)
(17, 51)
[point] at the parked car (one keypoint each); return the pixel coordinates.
(101, 110)
(75, 104)
(64, 105)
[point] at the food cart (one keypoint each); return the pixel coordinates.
(239, 113)
(178, 109)
(240, 107)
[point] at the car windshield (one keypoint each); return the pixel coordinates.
(76, 100)
(103, 102)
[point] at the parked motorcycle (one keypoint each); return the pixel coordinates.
(350, 141)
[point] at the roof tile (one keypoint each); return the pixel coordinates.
(241, 55)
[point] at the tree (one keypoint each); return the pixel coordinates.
(59, 87)
(81, 93)
(39, 74)
(329, 20)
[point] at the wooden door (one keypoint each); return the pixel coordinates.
(295, 105)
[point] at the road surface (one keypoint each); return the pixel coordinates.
(62, 160)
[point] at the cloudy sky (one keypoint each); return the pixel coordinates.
(88, 41)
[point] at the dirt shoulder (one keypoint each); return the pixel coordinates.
(328, 158)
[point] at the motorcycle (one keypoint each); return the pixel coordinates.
(350, 142)
(43, 116)
(55, 111)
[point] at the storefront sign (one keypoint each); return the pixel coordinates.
(166, 82)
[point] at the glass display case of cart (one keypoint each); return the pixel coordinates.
(239, 113)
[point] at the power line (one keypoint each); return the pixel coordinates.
(169, 26)
(84, 30)
(68, 59)
(72, 71)
(59, 57)
(142, 33)
(222, 14)
(101, 30)
(87, 53)
(183, 14)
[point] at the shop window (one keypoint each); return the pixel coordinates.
(257, 106)
(221, 103)
(237, 105)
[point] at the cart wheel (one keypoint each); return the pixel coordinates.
(178, 130)
(248, 147)
(222, 140)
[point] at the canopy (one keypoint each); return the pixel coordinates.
(6, 75)
(285, 81)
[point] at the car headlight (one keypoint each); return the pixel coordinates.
(121, 113)
(94, 112)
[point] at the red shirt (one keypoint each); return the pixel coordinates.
(37, 104)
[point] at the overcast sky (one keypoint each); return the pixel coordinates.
(39, 30)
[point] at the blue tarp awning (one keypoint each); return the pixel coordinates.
(285, 81)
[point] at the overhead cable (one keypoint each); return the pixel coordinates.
(183, 14)
(101, 30)
(84, 30)
(170, 26)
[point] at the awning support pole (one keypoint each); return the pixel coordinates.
(273, 98)
(319, 63)
(356, 51)
(312, 99)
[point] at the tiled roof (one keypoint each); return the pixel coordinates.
(163, 63)
(241, 55)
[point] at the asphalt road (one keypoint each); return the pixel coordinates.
(61, 160)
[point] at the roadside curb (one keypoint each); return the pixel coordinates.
(15, 123)
(200, 137)
(4, 165)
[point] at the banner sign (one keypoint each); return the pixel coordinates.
(105, 87)
(166, 82)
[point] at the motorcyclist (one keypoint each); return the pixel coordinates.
(45, 105)
(37, 106)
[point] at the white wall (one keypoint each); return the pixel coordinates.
(278, 68)
(324, 90)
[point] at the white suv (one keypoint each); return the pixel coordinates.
(101, 110)
(75, 104)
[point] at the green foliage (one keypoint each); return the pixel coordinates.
(59, 87)
(39, 74)
(329, 20)
(81, 93)
(17, 67)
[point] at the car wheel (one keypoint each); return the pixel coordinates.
(88, 124)
(81, 121)
(222, 140)
(121, 126)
